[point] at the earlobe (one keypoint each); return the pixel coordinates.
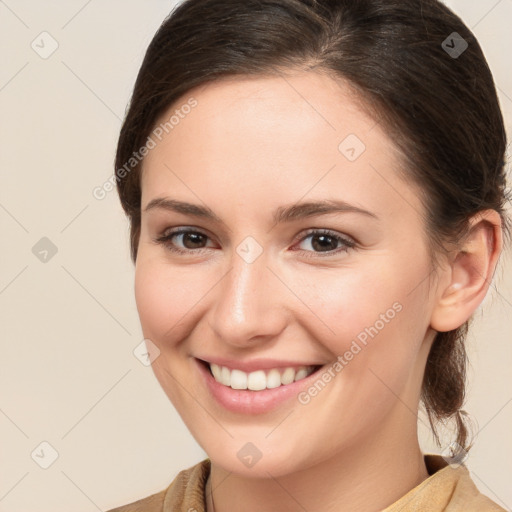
(470, 272)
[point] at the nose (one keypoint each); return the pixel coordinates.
(249, 303)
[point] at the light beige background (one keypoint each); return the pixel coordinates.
(69, 325)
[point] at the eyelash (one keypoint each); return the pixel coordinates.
(347, 243)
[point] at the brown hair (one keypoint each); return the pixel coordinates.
(439, 107)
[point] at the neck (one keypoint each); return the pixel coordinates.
(367, 478)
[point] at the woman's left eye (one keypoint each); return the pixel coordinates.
(323, 241)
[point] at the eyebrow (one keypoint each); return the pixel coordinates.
(280, 215)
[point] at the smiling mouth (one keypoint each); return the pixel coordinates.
(260, 379)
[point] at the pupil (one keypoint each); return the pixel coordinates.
(323, 245)
(195, 237)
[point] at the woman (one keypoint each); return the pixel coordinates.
(316, 194)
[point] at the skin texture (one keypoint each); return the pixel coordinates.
(252, 145)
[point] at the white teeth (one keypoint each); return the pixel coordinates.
(301, 374)
(225, 376)
(256, 380)
(288, 376)
(238, 379)
(259, 379)
(216, 372)
(273, 379)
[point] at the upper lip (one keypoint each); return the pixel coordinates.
(256, 364)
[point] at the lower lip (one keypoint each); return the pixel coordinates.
(252, 402)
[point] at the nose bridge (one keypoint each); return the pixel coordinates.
(246, 302)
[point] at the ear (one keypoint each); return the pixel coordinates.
(470, 271)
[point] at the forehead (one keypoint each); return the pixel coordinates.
(268, 103)
(302, 133)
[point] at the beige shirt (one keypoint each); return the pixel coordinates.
(446, 489)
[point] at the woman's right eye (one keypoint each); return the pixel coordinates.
(191, 239)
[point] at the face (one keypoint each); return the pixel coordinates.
(277, 233)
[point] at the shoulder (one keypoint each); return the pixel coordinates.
(185, 491)
(466, 497)
(449, 488)
(153, 503)
(461, 492)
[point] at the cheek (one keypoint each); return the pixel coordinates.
(163, 298)
(377, 314)
(379, 328)
(149, 297)
(171, 299)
